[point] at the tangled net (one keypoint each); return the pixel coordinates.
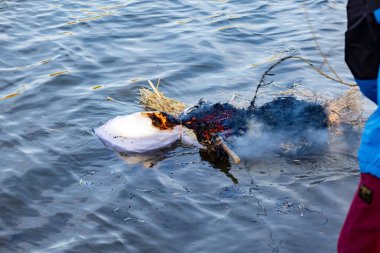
(345, 109)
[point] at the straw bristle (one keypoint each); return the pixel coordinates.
(156, 100)
(345, 109)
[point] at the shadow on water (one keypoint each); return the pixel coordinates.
(218, 161)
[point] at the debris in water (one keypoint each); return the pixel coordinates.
(97, 87)
(59, 73)
(300, 120)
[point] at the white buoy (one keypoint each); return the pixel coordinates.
(136, 133)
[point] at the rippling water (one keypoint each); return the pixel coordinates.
(63, 191)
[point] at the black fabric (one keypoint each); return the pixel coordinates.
(362, 39)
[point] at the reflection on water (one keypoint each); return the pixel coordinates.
(62, 191)
(147, 160)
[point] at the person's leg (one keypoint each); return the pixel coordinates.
(361, 229)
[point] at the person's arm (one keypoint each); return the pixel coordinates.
(368, 88)
(362, 52)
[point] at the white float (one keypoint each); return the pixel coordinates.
(136, 133)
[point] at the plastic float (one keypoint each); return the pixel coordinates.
(142, 132)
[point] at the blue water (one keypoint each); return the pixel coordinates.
(63, 191)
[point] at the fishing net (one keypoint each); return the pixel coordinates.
(302, 119)
(344, 109)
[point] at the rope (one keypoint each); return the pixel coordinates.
(267, 72)
(317, 45)
(339, 80)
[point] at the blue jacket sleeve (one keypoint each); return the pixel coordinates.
(368, 88)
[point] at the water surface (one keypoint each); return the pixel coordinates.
(63, 191)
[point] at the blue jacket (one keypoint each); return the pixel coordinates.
(369, 152)
(362, 54)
